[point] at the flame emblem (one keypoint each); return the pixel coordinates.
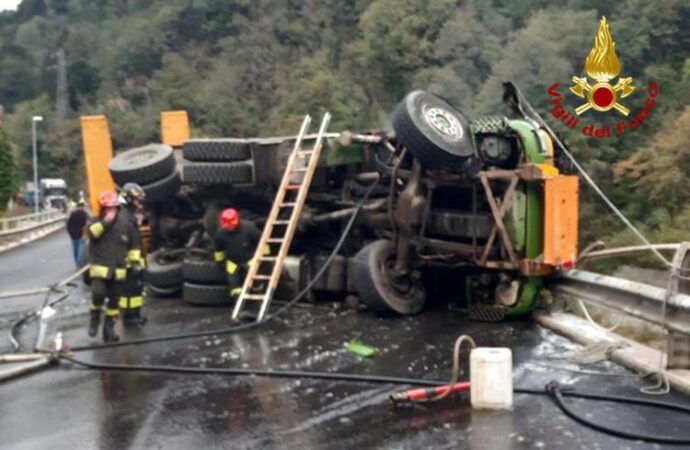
(602, 64)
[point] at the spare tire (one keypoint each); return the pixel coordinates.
(163, 189)
(158, 292)
(433, 131)
(203, 270)
(216, 150)
(142, 165)
(164, 268)
(206, 295)
(375, 287)
(217, 173)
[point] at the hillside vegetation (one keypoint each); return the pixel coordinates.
(254, 67)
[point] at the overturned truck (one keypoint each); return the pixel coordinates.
(474, 212)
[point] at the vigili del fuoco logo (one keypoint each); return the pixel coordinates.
(602, 66)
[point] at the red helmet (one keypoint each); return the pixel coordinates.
(229, 219)
(108, 199)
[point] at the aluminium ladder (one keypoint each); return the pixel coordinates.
(264, 273)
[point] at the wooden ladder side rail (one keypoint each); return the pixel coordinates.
(314, 156)
(275, 209)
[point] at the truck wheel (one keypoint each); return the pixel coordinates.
(198, 269)
(163, 189)
(217, 173)
(158, 292)
(216, 150)
(433, 131)
(376, 288)
(164, 269)
(206, 294)
(142, 165)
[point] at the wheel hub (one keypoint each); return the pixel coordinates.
(400, 283)
(142, 157)
(444, 122)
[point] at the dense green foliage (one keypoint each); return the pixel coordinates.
(8, 171)
(253, 67)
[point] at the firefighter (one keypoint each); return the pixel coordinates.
(131, 295)
(235, 243)
(111, 236)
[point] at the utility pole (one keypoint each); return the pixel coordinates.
(61, 85)
(35, 119)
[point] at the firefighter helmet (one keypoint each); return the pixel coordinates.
(229, 219)
(108, 199)
(131, 192)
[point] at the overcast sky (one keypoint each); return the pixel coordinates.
(9, 4)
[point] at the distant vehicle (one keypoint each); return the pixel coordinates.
(54, 193)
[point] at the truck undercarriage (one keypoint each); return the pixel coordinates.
(480, 205)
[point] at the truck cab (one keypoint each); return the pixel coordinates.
(53, 193)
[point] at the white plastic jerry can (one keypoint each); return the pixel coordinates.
(491, 378)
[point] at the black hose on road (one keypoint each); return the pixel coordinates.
(553, 390)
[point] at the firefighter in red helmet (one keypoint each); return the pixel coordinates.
(111, 237)
(235, 244)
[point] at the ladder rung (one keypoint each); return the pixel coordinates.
(281, 222)
(267, 258)
(301, 169)
(274, 240)
(262, 277)
(287, 205)
(254, 297)
(305, 152)
(293, 187)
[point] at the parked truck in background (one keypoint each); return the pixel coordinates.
(54, 193)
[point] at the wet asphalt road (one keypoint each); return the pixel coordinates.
(38, 263)
(70, 407)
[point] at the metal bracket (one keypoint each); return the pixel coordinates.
(499, 228)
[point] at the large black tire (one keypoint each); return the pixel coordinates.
(161, 292)
(164, 268)
(206, 295)
(163, 189)
(217, 173)
(203, 270)
(216, 150)
(142, 165)
(373, 285)
(433, 131)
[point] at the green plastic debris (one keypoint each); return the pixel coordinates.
(357, 347)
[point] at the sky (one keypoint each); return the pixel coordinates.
(9, 4)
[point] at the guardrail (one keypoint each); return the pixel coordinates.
(635, 299)
(12, 226)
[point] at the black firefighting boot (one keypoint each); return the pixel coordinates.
(133, 317)
(95, 322)
(109, 334)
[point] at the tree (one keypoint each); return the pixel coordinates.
(397, 39)
(661, 170)
(8, 171)
(550, 48)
